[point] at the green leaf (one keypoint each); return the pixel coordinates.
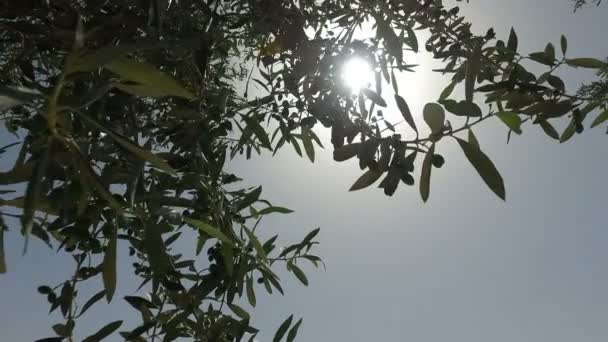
(96, 297)
(412, 40)
(258, 130)
(425, 176)
(564, 44)
(2, 259)
(346, 152)
(156, 250)
(512, 120)
(550, 51)
(104, 332)
(568, 132)
(298, 273)
(250, 291)
(93, 60)
(209, 230)
(513, 41)
(249, 199)
(447, 91)
(367, 179)
(272, 209)
(375, 97)
(32, 194)
(590, 63)
(603, 117)
(484, 166)
(472, 70)
(434, 116)
(472, 139)
(405, 112)
(129, 145)
(149, 77)
(556, 82)
(549, 129)
(282, 329)
(308, 146)
(257, 245)
(293, 332)
(109, 267)
(542, 58)
(462, 108)
(239, 311)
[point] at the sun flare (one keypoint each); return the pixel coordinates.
(357, 73)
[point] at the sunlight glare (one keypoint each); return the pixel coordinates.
(357, 74)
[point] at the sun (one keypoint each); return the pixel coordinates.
(357, 73)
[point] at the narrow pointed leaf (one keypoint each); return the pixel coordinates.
(96, 297)
(405, 112)
(103, 332)
(282, 329)
(299, 274)
(32, 194)
(484, 166)
(239, 311)
(109, 267)
(209, 230)
(367, 179)
(293, 332)
(375, 97)
(250, 291)
(603, 117)
(425, 176)
(549, 129)
(590, 63)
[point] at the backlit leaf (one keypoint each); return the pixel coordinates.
(367, 179)
(434, 116)
(282, 329)
(209, 230)
(603, 117)
(109, 266)
(484, 166)
(512, 120)
(346, 152)
(590, 63)
(375, 97)
(293, 332)
(425, 176)
(405, 112)
(104, 332)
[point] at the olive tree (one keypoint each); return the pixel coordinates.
(124, 114)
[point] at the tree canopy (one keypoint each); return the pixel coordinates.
(124, 114)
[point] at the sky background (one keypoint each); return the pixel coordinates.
(464, 267)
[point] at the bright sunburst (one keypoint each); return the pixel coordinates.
(357, 73)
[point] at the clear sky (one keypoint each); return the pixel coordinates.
(465, 267)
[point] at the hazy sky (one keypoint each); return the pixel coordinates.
(465, 267)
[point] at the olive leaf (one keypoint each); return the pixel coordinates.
(484, 166)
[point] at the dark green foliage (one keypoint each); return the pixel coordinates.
(126, 112)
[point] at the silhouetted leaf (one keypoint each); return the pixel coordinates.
(484, 166)
(472, 70)
(434, 116)
(564, 44)
(346, 152)
(156, 250)
(96, 297)
(109, 266)
(472, 139)
(249, 198)
(239, 311)
(282, 329)
(568, 132)
(32, 194)
(447, 91)
(425, 176)
(250, 291)
(293, 332)
(308, 146)
(298, 273)
(367, 179)
(590, 63)
(104, 332)
(549, 129)
(405, 112)
(372, 95)
(512, 42)
(270, 210)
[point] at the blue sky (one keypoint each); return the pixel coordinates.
(465, 267)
